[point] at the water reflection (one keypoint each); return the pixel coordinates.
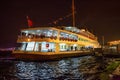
(71, 68)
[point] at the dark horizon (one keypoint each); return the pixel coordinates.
(100, 17)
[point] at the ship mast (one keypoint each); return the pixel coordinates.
(73, 13)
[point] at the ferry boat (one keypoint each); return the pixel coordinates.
(44, 43)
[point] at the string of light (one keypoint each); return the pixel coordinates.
(60, 19)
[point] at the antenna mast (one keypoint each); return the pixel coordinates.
(73, 13)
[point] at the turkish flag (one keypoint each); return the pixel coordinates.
(30, 23)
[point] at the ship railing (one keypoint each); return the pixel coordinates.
(36, 37)
(91, 37)
(67, 39)
(47, 37)
(84, 34)
(88, 34)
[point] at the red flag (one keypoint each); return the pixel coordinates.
(30, 23)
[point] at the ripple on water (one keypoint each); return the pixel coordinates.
(68, 68)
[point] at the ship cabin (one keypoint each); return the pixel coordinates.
(51, 39)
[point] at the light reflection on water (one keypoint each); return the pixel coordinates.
(66, 69)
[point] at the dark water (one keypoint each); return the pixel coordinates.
(80, 68)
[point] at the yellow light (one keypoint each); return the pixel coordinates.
(83, 30)
(28, 39)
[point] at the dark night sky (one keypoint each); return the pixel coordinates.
(100, 17)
